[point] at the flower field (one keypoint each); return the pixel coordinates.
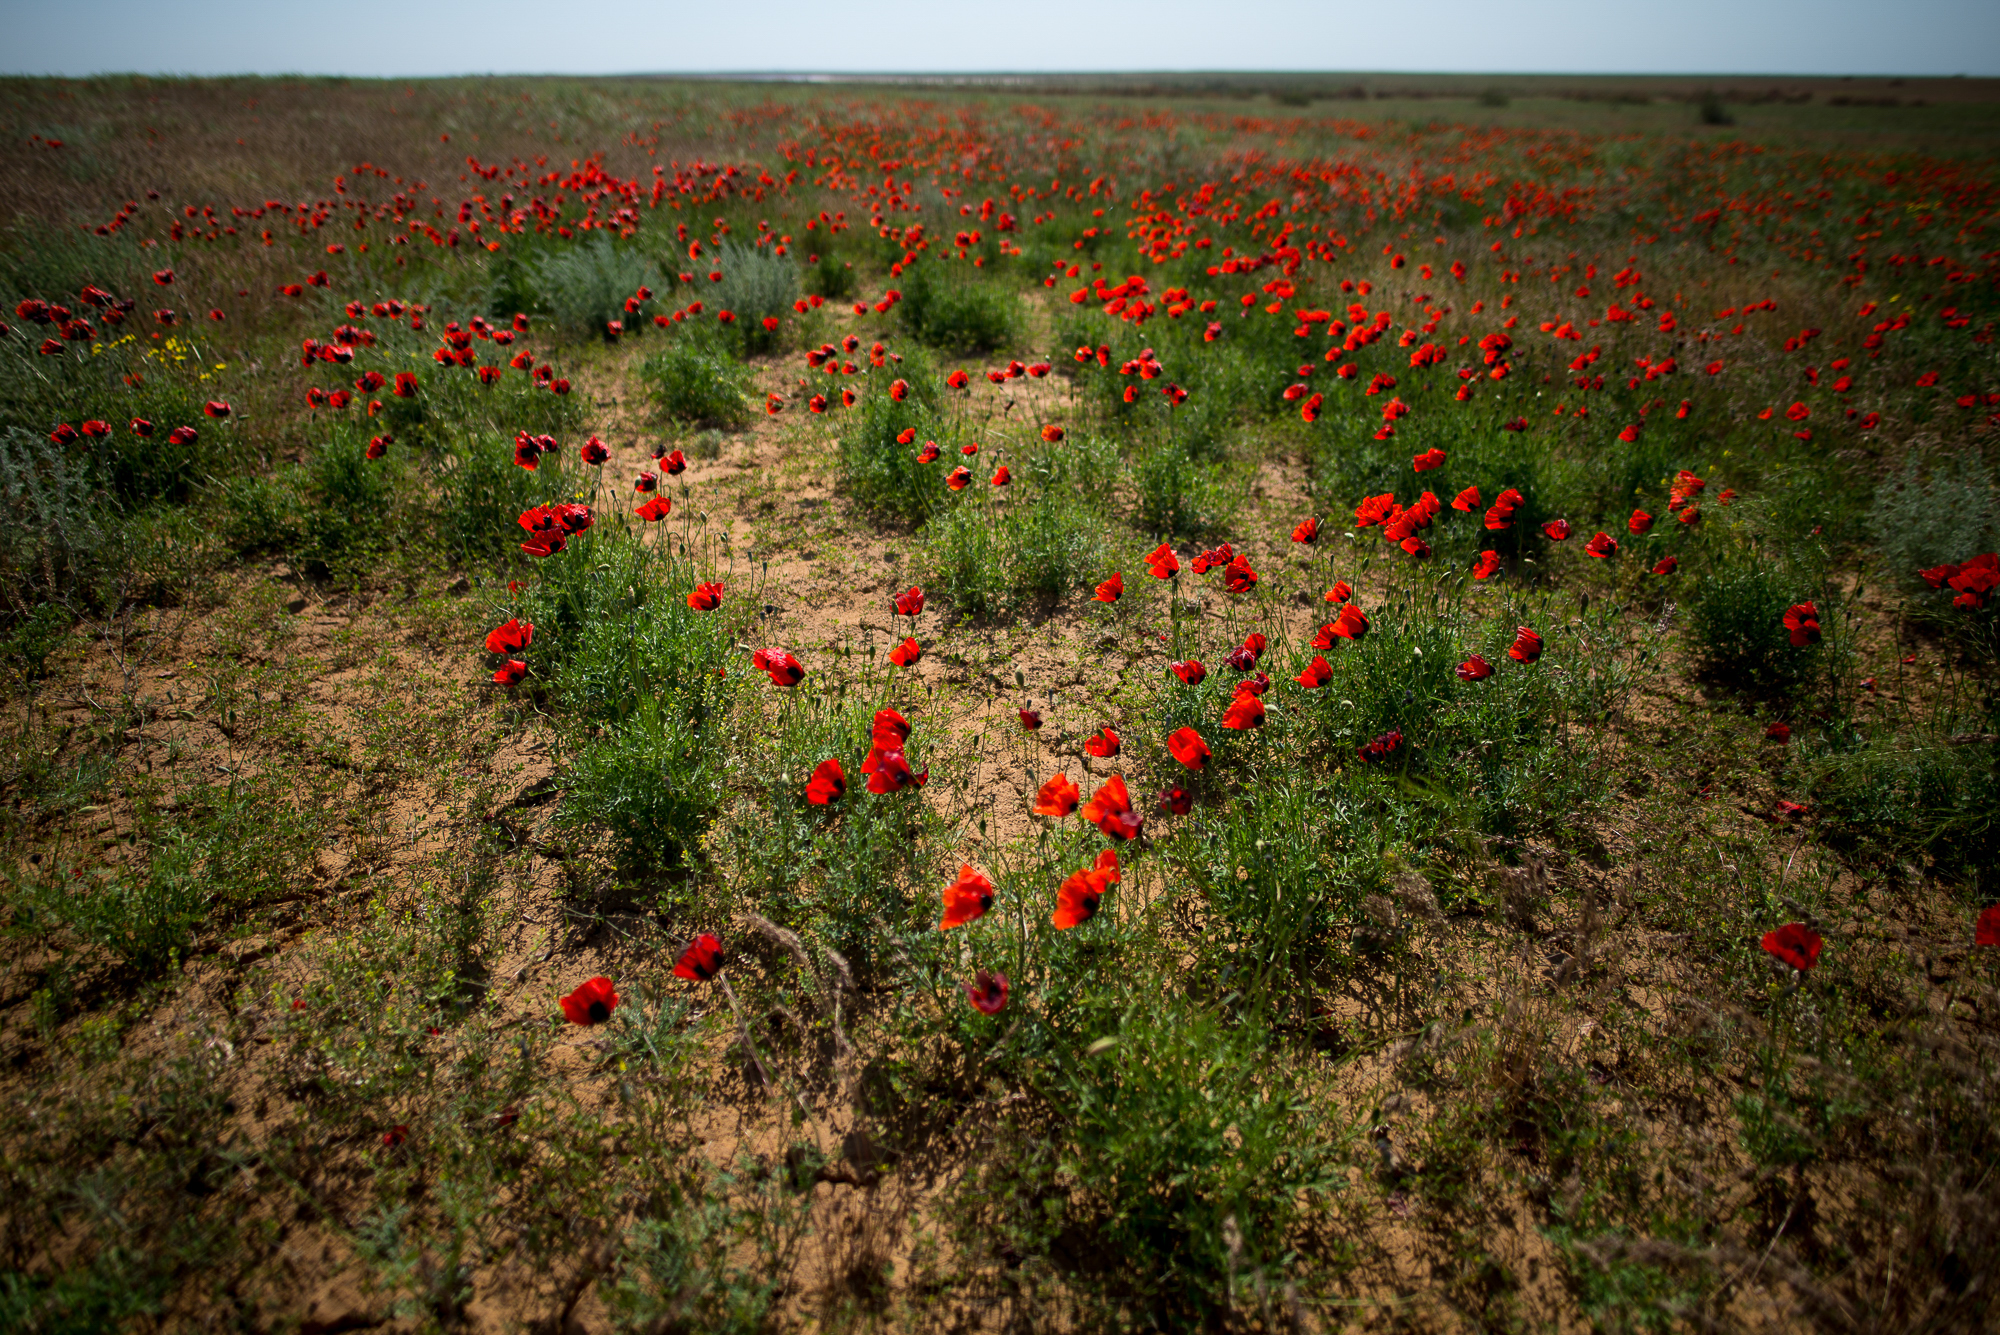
(687, 706)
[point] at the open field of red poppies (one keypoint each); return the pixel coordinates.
(1089, 704)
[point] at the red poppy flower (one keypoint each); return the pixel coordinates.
(1191, 671)
(1802, 620)
(546, 542)
(1163, 562)
(1487, 565)
(1239, 577)
(1111, 589)
(1245, 656)
(1466, 501)
(1374, 510)
(1080, 893)
(1307, 531)
(1380, 749)
(906, 653)
(406, 385)
(216, 408)
(888, 771)
(888, 730)
(966, 899)
(899, 389)
(827, 783)
(910, 604)
(1317, 674)
(987, 992)
(1110, 810)
(1639, 523)
(1557, 529)
(702, 959)
(1058, 797)
(1475, 668)
(929, 453)
(706, 597)
(1002, 477)
(655, 509)
(675, 463)
(1429, 459)
(163, 276)
(958, 478)
(396, 1135)
(592, 1003)
(1527, 646)
(783, 669)
(1339, 593)
(1796, 944)
(1104, 745)
(141, 427)
(1030, 719)
(1052, 433)
(1986, 931)
(511, 638)
(1352, 624)
(958, 379)
(1778, 732)
(1176, 801)
(1500, 515)
(1188, 748)
(1666, 565)
(511, 672)
(1245, 711)
(1601, 546)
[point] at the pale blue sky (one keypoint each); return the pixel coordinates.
(370, 37)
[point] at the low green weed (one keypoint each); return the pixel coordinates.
(958, 315)
(694, 380)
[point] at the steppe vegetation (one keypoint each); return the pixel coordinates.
(1106, 705)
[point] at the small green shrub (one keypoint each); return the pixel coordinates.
(1189, 1171)
(1179, 497)
(965, 560)
(54, 529)
(350, 518)
(756, 285)
(957, 314)
(881, 471)
(1920, 521)
(1931, 796)
(694, 380)
(1736, 617)
(585, 286)
(639, 678)
(651, 782)
(831, 277)
(260, 512)
(481, 494)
